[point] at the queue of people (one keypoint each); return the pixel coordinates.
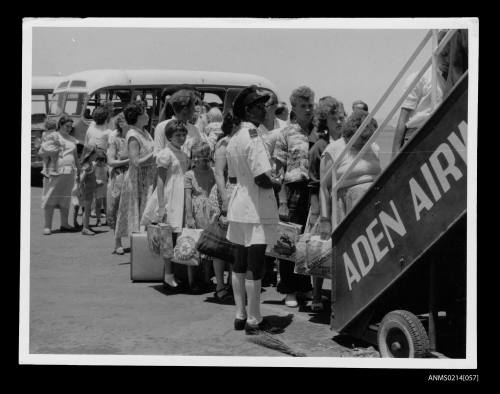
(249, 169)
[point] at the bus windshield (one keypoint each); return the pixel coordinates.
(56, 104)
(74, 104)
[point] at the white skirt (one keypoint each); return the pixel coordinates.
(248, 234)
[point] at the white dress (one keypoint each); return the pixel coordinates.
(252, 211)
(175, 162)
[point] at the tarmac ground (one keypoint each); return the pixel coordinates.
(82, 301)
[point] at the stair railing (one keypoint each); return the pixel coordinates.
(436, 49)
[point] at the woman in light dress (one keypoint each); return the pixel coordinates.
(118, 162)
(329, 119)
(57, 188)
(166, 204)
(139, 180)
(199, 181)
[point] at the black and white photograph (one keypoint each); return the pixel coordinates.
(249, 192)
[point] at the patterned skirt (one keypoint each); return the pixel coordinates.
(138, 184)
(115, 185)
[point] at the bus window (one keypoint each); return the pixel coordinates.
(97, 99)
(39, 103)
(151, 98)
(120, 98)
(74, 104)
(213, 100)
(56, 105)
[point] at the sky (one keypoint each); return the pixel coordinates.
(348, 64)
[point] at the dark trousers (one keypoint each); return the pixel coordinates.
(298, 209)
(269, 276)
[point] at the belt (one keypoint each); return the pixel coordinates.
(233, 180)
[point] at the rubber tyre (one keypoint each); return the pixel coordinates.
(402, 335)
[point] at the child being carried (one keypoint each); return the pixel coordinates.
(50, 148)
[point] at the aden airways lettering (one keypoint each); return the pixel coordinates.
(367, 249)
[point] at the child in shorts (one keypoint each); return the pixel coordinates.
(88, 185)
(49, 149)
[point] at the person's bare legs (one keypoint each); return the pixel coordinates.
(168, 276)
(190, 273)
(253, 288)
(230, 276)
(219, 266)
(239, 291)
(64, 212)
(76, 208)
(86, 218)
(49, 214)
(317, 287)
(98, 207)
(118, 245)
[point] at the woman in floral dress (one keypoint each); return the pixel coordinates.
(139, 180)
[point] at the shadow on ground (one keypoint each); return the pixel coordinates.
(182, 288)
(280, 321)
(350, 342)
(225, 301)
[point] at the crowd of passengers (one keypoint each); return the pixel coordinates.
(257, 165)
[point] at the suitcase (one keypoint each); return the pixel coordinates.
(144, 264)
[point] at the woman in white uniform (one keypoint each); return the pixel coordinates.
(252, 209)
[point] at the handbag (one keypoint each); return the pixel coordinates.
(319, 257)
(185, 249)
(160, 239)
(153, 231)
(313, 254)
(213, 242)
(285, 247)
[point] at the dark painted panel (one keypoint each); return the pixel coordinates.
(393, 193)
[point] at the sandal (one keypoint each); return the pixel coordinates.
(119, 250)
(87, 231)
(226, 295)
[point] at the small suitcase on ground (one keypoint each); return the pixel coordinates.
(144, 264)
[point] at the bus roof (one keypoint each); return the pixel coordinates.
(92, 80)
(45, 82)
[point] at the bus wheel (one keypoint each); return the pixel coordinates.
(402, 335)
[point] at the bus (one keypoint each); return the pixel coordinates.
(41, 97)
(78, 94)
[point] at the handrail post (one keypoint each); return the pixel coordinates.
(436, 49)
(434, 69)
(365, 147)
(334, 199)
(383, 98)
